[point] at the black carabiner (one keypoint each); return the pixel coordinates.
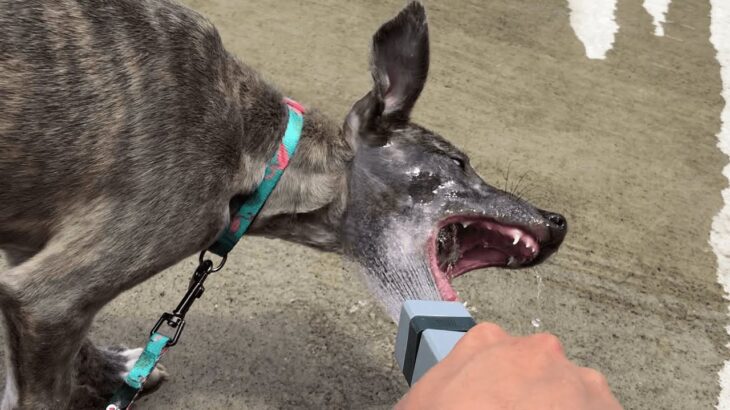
(176, 319)
(175, 322)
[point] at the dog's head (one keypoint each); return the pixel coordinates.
(409, 209)
(417, 214)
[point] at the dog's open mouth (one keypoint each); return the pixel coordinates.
(462, 243)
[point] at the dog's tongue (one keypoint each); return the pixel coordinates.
(478, 249)
(480, 257)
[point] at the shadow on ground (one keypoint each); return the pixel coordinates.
(319, 366)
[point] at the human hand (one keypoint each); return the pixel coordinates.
(489, 369)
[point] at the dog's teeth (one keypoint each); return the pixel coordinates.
(517, 237)
(511, 261)
(465, 224)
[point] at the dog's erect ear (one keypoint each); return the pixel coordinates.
(399, 65)
(399, 61)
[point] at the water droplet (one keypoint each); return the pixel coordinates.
(536, 322)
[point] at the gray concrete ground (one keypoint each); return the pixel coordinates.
(625, 148)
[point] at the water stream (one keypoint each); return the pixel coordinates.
(536, 321)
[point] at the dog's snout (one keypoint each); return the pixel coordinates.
(558, 227)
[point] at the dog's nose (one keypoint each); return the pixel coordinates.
(558, 227)
(557, 220)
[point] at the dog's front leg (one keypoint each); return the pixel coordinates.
(43, 338)
(50, 300)
(48, 304)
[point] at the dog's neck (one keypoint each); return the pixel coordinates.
(308, 204)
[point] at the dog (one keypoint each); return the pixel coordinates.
(128, 134)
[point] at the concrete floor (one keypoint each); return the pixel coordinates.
(624, 147)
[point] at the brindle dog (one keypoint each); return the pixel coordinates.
(128, 133)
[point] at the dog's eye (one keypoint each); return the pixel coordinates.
(460, 162)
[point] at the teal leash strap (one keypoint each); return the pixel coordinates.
(245, 216)
(159, 343)
(156, 347)
(152, 353)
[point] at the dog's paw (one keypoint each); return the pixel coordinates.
(155, 379)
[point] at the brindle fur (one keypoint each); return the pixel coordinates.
(126, 133)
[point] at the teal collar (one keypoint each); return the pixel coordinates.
(245, 216)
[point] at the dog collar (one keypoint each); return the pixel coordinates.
(246, 214)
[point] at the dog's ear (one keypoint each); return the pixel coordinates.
(399, 61)
(399, 66)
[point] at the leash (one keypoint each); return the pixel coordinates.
(274, 170)
(158, 342)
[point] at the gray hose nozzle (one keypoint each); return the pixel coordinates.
(427, 331)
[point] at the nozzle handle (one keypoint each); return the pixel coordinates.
(427, 331)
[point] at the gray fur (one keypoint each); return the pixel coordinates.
(124, 121)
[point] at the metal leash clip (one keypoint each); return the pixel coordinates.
(176, 319)
(158, 342)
